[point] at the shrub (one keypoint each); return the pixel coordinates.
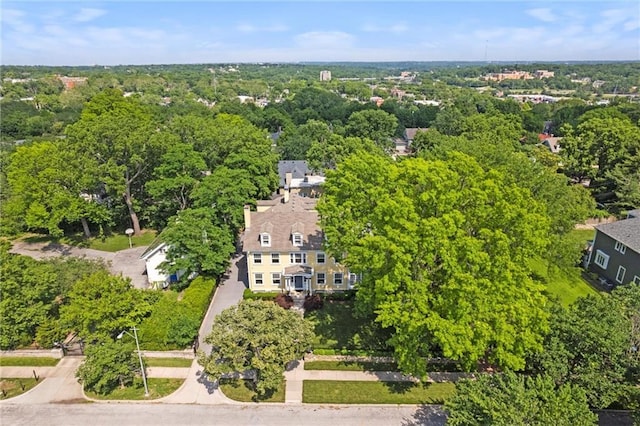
(284, 301)
(312, 303)
(269, 295)
(343, 295)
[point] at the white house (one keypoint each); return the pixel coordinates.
(153, 257)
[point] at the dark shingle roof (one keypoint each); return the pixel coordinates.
(297, 168)
(626, 231)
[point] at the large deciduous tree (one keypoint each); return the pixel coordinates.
(443, 247)
(108, 365)
(508, 399)
(119, 135)
(377, 125)
(257, 336)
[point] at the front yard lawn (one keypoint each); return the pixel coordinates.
(28, 361)
(241, 390)
(350, 366)
(112, 243)
(158, 388)
(358, 392)
(336, 327)
(168, 362)
(13, 387)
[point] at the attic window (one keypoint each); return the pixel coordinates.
(297, 239)
(265, 240)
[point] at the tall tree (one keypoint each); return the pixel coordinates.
(507, 399)
(377, 125)
(256, 336)
(119, 135)
(443, 248)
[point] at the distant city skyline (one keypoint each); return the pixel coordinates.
(165, 32)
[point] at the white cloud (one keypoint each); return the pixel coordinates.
(250, 28)
(324, 39)
(543, 14)
(394, 28)
(14, 19)
(87, 14)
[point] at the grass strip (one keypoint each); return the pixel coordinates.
(28, 361)
(242, 390)
(158, 388)
(359, 392)
(169, 362)
(10, 387)
(350, 366)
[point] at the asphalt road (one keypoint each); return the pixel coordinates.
(98, 414)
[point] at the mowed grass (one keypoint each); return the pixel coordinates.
(168, 362)
(28, 361)
(158, 388)
(241, 390)
(565, 283)
(358, 392)
(10, 387)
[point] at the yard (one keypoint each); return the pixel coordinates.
(357, 392)
(337, 327)
(13, 387)
(241, 390)
(111, 243)
(158, 388)
(28, 361)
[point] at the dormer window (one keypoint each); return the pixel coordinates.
(265, 240)
(297, 231)
(297, 240)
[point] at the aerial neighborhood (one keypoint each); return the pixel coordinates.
(347, 241)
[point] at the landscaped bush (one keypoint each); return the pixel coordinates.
(312, 303)
(343, 295)
(351, 352)
(284, 301)
(268, 295)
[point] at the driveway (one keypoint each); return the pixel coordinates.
(125, 262)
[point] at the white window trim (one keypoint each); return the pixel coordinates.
(257, 258)
(303, 257)
(636, 280)
(277, 257)
(619, 278)
(265, 240)
(296, 239)
(274, 276)
(605, 262)
(324, 278)
(255, 278)
(324, 257)
(621, 247)
(335, 274)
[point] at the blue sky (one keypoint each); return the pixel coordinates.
(153, 32)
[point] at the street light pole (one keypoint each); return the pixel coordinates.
(144, 375)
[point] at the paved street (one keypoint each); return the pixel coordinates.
(263, 415)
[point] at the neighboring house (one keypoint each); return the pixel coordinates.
(283, 244)
(550, 141)
(615, 253)
(297, 178)
(410, 133)
(153, 257)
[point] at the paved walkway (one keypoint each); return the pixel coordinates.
(126, 262)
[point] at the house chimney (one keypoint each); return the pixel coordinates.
(286, 194)
(247, 217)
(288, 177)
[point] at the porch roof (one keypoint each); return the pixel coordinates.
(298, 270)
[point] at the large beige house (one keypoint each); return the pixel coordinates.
(284, 251)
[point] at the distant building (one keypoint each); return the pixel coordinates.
(71, 82)
(543, 74)
(508, 75)
(325, 75)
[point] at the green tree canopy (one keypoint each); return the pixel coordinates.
(374, 124)
(108, 365)
(443, 248)
(256, 336)
(511, 400)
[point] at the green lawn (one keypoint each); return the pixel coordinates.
(565, 283)
(358, 392)
(13, 387)
(158, 388)
(112, 243)
(241, 390)
(336, 327)
(28, 361)
(168, 362)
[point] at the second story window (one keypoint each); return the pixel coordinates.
(621, 247)
(320, 258)
(337, 279)
(298, 257)
(275, 258)
(257, 258)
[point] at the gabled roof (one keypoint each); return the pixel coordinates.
(156, 245)
(410, 132)
(626, 231)
(297, 168)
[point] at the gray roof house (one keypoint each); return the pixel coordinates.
(615, 254)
